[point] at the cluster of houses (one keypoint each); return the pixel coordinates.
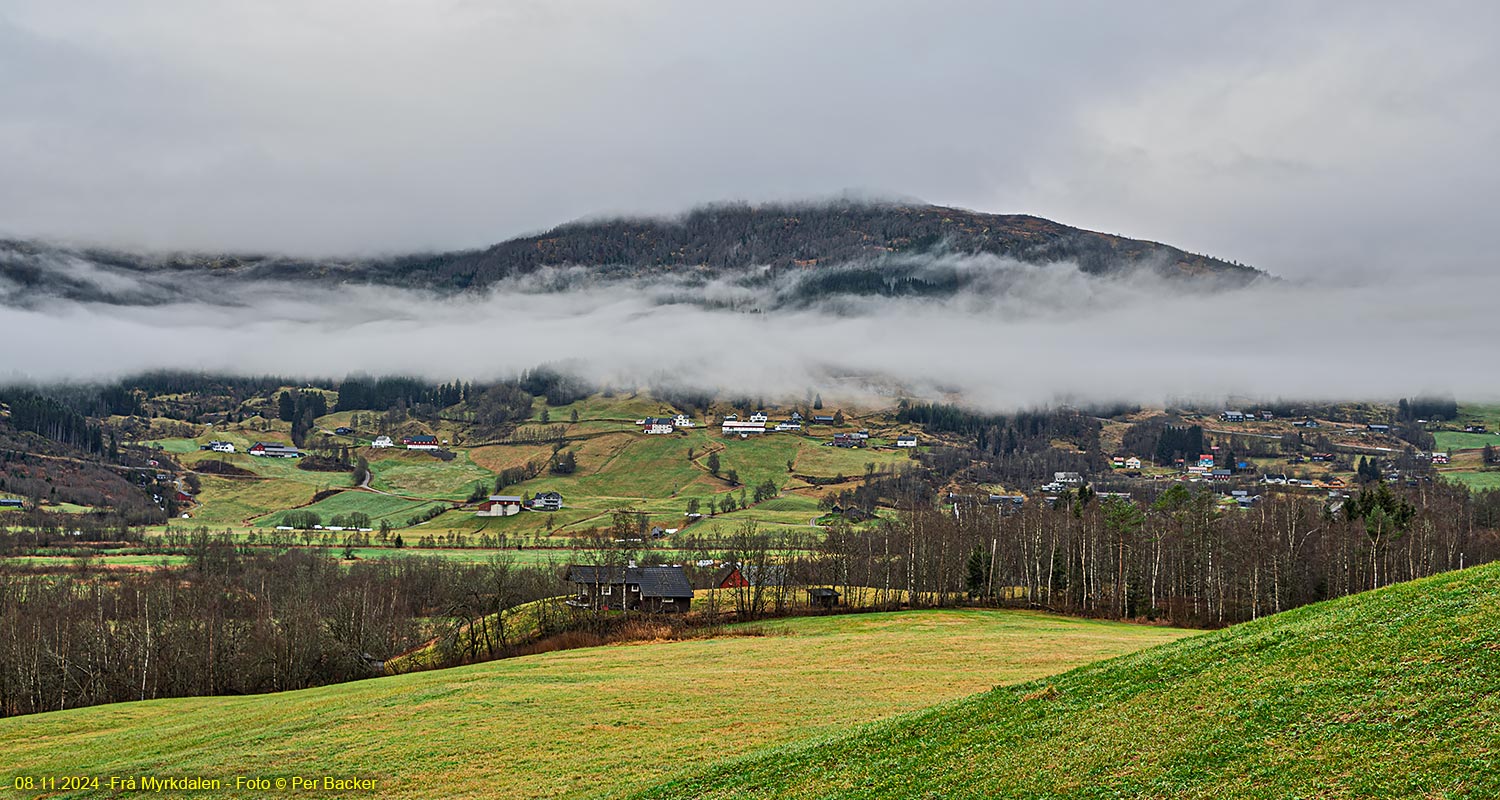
(1063, 481)
(731, 425)
(659, 425)
(1121, 462)
(421, 442)
(855, 439)
(505, 505)
(1240, 416)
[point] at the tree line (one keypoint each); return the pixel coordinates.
(236, 620)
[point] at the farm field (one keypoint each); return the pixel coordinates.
(1293, 705)
(1488, 413)
(1451, 441)
(597, 721)
(232, 501)
(380, 507)
(417, 474)
(617, 468)
(1476, 480)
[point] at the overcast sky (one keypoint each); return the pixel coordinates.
(1308, 139)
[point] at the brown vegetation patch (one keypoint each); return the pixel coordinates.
(216, 467)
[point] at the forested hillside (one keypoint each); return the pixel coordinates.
(840, 248)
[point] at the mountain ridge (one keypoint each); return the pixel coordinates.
(882, 239)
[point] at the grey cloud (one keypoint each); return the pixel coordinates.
(1301, 138)
(1018, 335)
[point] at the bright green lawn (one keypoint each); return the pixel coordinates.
(1394, 693)
(1476, 480)
(581, 722)
(1451, 441)
(176, 446)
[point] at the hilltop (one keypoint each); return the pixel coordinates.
(1391, 693)
(827, 249)
(737, 237)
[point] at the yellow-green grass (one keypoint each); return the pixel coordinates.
(1451, 441)
(760, 459)
(283, 469)
(815, 458)
(380, 507)
(68, 508)
(522, 624)
(627, 408)
(1477, 481)
(231, 501)
(1393, 693)
(101, 560)
(468, 555)
(419, 474)
(527, 523)
(1488, 413)
(597, 721)
(174, 446)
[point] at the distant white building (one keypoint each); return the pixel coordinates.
(789, 425)
(221, 447)
(500, 505)
(382, 441)
(273, 450)
(759, 416)
(738, 428)
(656, 425)
(1132, 463)
(1067, 478)
(906, 441)
(682, 421)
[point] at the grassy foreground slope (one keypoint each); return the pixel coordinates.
(1393, 693)
(605, 720)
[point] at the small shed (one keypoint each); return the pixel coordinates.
(822, 597)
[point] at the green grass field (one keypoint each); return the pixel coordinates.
(1451, 441)
(1394, 693)
(380, 507)
(418, 474)
(1477, 481)
(598, 721)
(1488, 413)
(230, 501)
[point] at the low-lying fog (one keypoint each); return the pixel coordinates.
(1016, 335)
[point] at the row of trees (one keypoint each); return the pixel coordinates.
(236, 620)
